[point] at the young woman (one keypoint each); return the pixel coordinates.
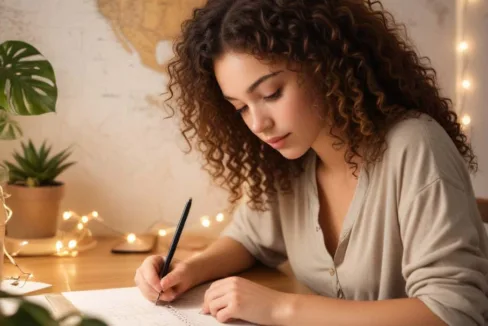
(354, 168)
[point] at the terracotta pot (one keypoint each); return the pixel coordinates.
(35, 211)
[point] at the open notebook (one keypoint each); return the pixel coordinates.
(127, 307)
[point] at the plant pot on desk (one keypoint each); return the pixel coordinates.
(35, 211)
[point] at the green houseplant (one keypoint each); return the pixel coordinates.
(36, 193)
(32, 314)
(34, 167)
(27, 87)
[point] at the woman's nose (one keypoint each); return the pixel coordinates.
(260, 121)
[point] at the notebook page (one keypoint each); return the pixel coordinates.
(122, 307)
(127, 307)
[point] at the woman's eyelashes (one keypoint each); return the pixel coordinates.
(273, 97)
(276, 95)
(241, 110)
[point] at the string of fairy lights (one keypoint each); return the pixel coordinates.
(81, 232)
(464, 53)
(15, 280)
(79, 237)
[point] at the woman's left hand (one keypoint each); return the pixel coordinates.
(237, 298)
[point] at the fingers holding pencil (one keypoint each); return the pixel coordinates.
(157, 278)
(176, 282)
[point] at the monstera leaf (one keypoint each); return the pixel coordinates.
(9, 128)
(27, 85)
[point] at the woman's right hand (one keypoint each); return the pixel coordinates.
(176, 282)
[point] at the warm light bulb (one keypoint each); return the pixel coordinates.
(59, 245)
(219, 217)
(72, 244)
(466, 120)
(162, 233)
(463, 46)
(24, 243)
(84, 219)
(205, 221)
(131, 238)
(94, 214)
(466, 84)
(80, 226)
(66, 216)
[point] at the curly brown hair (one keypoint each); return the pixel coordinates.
(368, 75)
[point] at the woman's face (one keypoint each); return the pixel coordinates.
(276, 106)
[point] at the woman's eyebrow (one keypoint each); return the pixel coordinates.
(256, 84)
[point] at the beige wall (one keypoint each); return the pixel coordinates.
(131, 167)
(130, 162)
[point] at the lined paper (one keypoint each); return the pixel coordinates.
(127, 307)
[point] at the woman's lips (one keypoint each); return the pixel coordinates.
(277, 142)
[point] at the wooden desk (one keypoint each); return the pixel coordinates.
(98, 268)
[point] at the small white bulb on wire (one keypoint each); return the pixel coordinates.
(205, 221)
(219, 217)
(72, 244)
(463, 46)
(131, 238)
(162, 233)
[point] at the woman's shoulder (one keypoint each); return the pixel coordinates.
(419, 147)
(416, 130)
(419, 134)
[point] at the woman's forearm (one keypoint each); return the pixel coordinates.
(222, 258)
(315, 310)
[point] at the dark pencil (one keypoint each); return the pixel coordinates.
(174, 244)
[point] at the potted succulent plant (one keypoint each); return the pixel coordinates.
(35, 191)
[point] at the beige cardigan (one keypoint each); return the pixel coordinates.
(412, 230)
